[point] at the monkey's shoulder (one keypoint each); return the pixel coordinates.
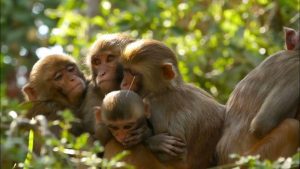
(46, 108)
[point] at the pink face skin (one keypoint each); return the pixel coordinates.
(69, 82)
(131, 81)
(105, 68)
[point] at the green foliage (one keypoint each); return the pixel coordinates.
(18, 142)
(20, 25)
(254, 162)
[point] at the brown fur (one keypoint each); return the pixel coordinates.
(120, 109)
(177, 108)
(140, 157)
(260, 102)
(105, 45)
(46, 96)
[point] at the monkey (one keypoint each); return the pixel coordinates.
(122, 111)
(55, 83)
(261, 113)
(178, 109)
(258, 124)
(107, 73)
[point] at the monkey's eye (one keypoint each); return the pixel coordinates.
(96, 61)
(110, 57)
(114, 128)
(132, 73)
(58, 76)
(127, 127)
(70, 68)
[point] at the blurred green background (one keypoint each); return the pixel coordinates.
(217, 41)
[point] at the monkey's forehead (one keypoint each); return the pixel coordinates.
(51, 67)
(53, 61)
(104, 46)
(48, 66)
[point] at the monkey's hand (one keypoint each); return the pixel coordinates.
(165, 143)
(137, 135)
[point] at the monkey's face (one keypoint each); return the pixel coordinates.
(121, 129)
(107, 72)
(69, 82)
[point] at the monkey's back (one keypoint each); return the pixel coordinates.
(248, 97)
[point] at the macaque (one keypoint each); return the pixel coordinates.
(122, 112)
(107, 74)
(180, 112)
(262, 113)
(55, 83)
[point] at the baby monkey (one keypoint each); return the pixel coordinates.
(122, 112)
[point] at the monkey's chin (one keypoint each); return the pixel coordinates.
(77, 89)
(108, 86)
(122, 143)
(76, 93)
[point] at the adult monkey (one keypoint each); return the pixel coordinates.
(107, 73)
(261, 113)
(177, 109)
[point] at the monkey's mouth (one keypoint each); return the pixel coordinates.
(75, 87)
(103, 81)
(106, 81)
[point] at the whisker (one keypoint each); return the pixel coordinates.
(130, 85)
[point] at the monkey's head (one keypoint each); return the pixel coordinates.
(149, 67)
(55, 78)
(292, 39)
(122, 111)
(103, 59)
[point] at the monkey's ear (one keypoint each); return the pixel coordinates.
(289, 38)
(168, 71)
(97, 111)
(29, 92)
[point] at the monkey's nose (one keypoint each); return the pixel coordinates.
(121, 137)
(124, 85)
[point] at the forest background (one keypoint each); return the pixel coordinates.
(217, 42)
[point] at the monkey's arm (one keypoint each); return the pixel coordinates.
(102, 134)
(279, 104)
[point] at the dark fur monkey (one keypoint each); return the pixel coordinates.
(55, 83)
(180, 113)
(261, 113)
(107, 73)
(122, 112)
